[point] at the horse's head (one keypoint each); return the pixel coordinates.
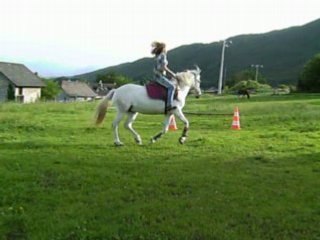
(191, 79)
(197, 81)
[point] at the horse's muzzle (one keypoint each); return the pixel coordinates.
(198, 96)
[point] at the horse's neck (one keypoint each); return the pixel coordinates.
(184, 86)
(184, 92)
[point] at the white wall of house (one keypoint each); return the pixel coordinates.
(29, 95)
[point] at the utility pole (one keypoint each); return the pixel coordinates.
(225, 44)
(257, 66)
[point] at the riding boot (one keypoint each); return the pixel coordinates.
(169, 108)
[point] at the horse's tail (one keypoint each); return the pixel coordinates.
(103, 107)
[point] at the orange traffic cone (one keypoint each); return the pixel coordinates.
(236, 119)
(172, 124)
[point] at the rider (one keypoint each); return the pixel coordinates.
(161, 69)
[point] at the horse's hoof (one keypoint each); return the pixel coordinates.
(118, 144)
(152, 140)
(182, 140)
(138, 141)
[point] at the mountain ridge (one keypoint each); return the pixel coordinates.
(283, 53)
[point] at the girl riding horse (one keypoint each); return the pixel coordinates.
(160, 71)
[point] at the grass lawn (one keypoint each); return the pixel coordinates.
(62, 178)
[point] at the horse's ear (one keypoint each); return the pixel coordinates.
(197, 68)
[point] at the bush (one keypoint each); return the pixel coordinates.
(10, 93)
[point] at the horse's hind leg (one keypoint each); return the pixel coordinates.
(115, 126)
(128, 125)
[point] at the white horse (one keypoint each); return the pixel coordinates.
(131, 99)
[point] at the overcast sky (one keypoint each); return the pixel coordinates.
(64, 37)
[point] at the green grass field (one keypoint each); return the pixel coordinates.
(62, 178)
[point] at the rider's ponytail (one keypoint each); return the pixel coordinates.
(157, 48)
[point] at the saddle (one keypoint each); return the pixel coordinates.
(159, 92)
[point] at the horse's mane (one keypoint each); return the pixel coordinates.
(184, 78)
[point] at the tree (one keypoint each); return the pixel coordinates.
(245, 75)
(10, 93)
(251, 84)
(51, 90)
(309, 80)
(113, 77)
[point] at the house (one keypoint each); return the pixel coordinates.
(24, 84)
(76, 91)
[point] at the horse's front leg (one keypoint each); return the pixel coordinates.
(184, 135)
(164, 130)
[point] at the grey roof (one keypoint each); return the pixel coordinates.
(20, 75)
(77, 89)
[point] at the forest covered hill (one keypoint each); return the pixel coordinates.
(283, 54)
